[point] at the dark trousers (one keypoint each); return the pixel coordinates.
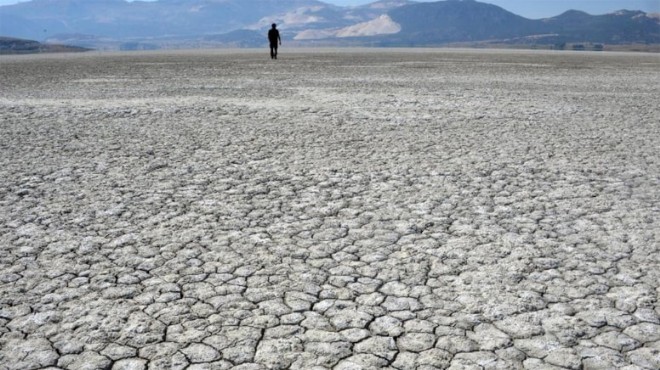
(273, 50)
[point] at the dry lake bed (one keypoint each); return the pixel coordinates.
(333, 209)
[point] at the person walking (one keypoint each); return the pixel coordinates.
(274, 39)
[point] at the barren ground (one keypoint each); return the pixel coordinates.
(351, 209)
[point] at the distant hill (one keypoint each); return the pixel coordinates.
(139, 25)
(40, 19)
(624, 26)
(469, 20)
(450, 21)
(10, 45)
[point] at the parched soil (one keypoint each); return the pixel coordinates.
(332, 209)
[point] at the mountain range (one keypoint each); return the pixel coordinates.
(198, 23)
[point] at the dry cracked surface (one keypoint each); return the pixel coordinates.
(402, 209)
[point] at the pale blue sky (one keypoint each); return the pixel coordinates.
(532, 8)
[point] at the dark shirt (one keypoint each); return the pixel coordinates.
(273, 36)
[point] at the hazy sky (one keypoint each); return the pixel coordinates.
(532, 8)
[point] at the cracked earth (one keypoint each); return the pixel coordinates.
(355, 209)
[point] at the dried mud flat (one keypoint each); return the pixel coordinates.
(353, 209)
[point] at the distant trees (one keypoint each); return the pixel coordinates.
(579, 46)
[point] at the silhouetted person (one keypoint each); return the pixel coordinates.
(274, 38)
